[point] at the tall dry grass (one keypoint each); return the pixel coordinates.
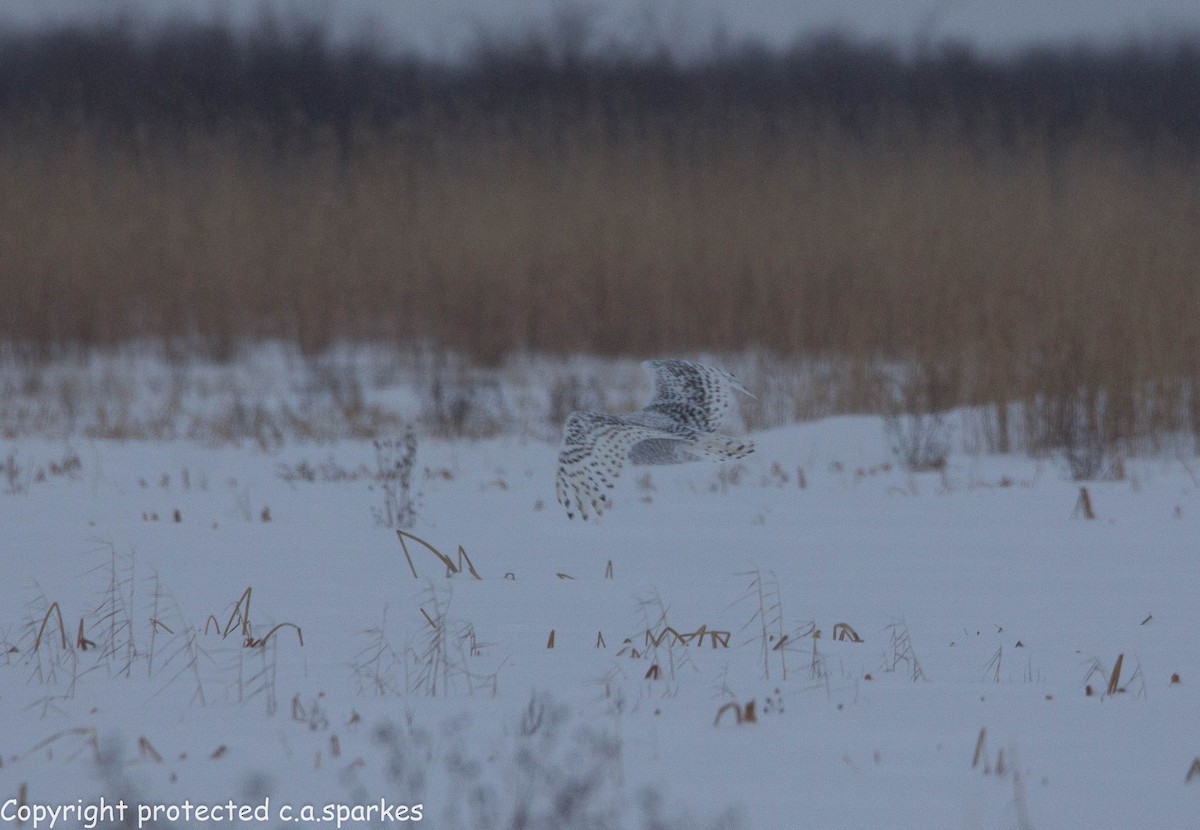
(1007, 273)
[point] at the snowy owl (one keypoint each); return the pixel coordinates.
(690, 403)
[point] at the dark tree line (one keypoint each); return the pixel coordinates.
(293, 78)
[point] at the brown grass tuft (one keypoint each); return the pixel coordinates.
(452, 567)
(1114, 679)
(62, 629)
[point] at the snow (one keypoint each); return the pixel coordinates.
(983, 599)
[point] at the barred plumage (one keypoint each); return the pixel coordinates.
(691, 401)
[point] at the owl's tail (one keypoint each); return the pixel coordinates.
(717, 447)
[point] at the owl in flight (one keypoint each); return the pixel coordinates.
(690, 403)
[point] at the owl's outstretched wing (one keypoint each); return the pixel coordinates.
(594, 449)
(694, 396)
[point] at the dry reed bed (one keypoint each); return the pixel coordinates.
(1004, 272)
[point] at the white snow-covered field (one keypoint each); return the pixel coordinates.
(991, 614)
